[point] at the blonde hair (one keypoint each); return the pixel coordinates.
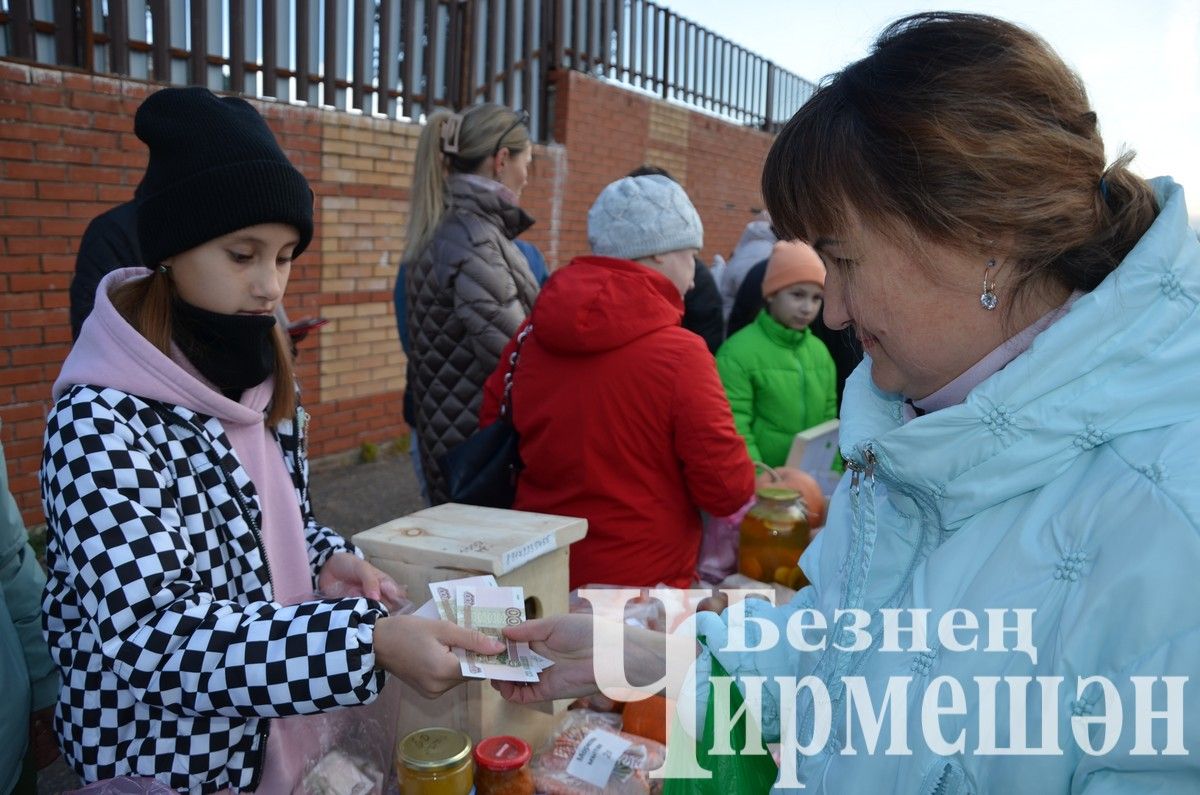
(455, 143)
(146, 304)
(964, 130)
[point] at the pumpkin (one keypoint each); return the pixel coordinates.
(802, 483)
(647, 718)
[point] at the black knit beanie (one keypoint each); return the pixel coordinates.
(214, 168)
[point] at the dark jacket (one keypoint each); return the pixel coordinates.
(702, 310)
(467, 293)
(109, 242)
(623, 421)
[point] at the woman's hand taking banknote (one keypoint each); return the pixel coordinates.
(569, 641)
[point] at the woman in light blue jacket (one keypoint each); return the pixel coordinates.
(1004, 597)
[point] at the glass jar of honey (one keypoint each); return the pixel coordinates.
(502, 767)
(773, 534)
(435, 762)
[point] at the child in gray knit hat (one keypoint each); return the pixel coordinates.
(648, 220)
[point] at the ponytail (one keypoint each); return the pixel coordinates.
(426, 198)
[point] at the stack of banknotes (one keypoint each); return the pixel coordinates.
(479, 603)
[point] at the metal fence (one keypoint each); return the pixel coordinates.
(401, 58)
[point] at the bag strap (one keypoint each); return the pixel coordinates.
(506, 402)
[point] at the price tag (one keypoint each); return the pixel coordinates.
(527, 552)
(596, 757)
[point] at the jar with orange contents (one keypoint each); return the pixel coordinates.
(773, 535)
(502, 766)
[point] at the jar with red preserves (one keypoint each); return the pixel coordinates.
(502, 766)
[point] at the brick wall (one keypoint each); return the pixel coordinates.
(608, 131)
(68, 152)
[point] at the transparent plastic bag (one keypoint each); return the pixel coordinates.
(629, 776)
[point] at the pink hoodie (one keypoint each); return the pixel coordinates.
(110, 353)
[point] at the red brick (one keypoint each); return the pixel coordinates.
(16, 190)
(57, 334)
(39, 355)
(37, 319)
(32, 94)
(60, 116)
(128, 159)
(104, 103)
(114, 194)
(25, 282)
(20, 448)
(20, 375)
(20, 131)
(63, 154)
(55, 299)
(15, 150)
(23, 411)
(58, 263)
(37, 390)
(91, 139)
(23, 227)
(72, 191)
(78, 81)
(12, 73)
(14, 111)
(65, 227)
(27, 336)
(37, 245)
(97, 174)
(112, 121)
(48, 172)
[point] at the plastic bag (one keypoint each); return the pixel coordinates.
(571, 742)
(732, 774)
(719, 544)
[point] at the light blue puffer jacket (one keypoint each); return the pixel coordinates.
(1068, 483)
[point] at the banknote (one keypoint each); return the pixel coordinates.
(444, 592)
(489, 610)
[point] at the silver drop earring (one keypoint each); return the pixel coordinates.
(988, 298)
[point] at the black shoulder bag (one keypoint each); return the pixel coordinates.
(483, 470)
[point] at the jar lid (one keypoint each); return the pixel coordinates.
(777, 493)
(502, 753)
(434, 748)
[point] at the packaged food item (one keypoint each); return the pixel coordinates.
(502, 766)
(435, 761)
(588, 754)
(773, 535)
(338, 773)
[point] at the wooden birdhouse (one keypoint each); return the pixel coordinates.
(451, 541)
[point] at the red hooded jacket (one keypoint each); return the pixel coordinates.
(623, 421)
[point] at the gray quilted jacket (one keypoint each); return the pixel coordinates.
(467, 293)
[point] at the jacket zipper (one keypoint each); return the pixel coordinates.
(240, 499)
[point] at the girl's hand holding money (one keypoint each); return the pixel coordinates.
(418, 651)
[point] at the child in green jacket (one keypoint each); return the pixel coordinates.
(780, 379)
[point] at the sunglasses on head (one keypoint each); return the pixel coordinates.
(522, 118)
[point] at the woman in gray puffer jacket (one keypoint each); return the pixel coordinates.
(468, 286)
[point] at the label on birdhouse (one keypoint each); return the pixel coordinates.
(597, 757)
(515, 558)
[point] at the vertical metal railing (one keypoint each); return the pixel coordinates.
(401, 58)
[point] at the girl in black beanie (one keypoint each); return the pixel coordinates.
(182, 551)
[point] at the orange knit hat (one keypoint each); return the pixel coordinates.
(792, 262)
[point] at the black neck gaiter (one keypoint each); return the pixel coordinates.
(234, 352)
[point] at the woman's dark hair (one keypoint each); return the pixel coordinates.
(966, 131)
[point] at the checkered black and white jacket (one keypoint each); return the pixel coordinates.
(158, 608)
